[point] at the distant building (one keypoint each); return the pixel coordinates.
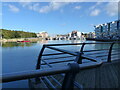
(42, 34)
(109, 30)
(61, 37)
(91, 35)
(75, 34)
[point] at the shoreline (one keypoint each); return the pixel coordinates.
(21, 39)
(39, 39)
(103, 40)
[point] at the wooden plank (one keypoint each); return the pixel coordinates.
(38, 85)
(104, 76)
(85, 80)
(97, 77)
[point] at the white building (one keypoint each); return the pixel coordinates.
(42, 34)
(74, 35)
(98, 31)
(109, 30)
(91, 35)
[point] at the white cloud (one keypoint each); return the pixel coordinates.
(13, 8)
(93, 9)
(52, 6)
(77, 7)
(112, 8)
(96, 5)
(95, 12)
(60, 0)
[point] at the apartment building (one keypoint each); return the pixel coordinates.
(109, 30)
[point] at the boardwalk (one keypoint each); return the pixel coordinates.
(105, 76)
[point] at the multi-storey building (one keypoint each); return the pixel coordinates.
(75, 34)
(108, 30)
(42, 34)
(91, 35)
(98, 31)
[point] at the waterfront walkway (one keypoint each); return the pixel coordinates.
(104, 76)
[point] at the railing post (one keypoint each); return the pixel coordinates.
(79, 55)
(37, 79)
(39, 58)
(82, 47)
(68, 83)
(110, 52)
(79, 58)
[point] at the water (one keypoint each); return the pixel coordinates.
(23, 56)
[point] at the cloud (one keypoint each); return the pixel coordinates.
(52, 6)
(96, 5)
(112, 8)
(13, 8)
(77, 7)
(95, 12)
(93, 9)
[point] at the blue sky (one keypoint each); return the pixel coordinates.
(57, 18)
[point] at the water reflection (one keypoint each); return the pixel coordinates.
(106, 46)
(77, 41)
(42, 41)
(16, 44)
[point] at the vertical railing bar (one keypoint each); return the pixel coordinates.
(82, 47)
(79, 57)
(39, 58)
(39, 63)
(110, 52)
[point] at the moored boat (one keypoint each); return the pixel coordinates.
(23, 41)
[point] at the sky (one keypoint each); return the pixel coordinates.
(57, 17)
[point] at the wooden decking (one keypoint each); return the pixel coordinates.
(105, 76)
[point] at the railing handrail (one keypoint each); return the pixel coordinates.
(68, 52)
(79, 43)
(44, 72)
